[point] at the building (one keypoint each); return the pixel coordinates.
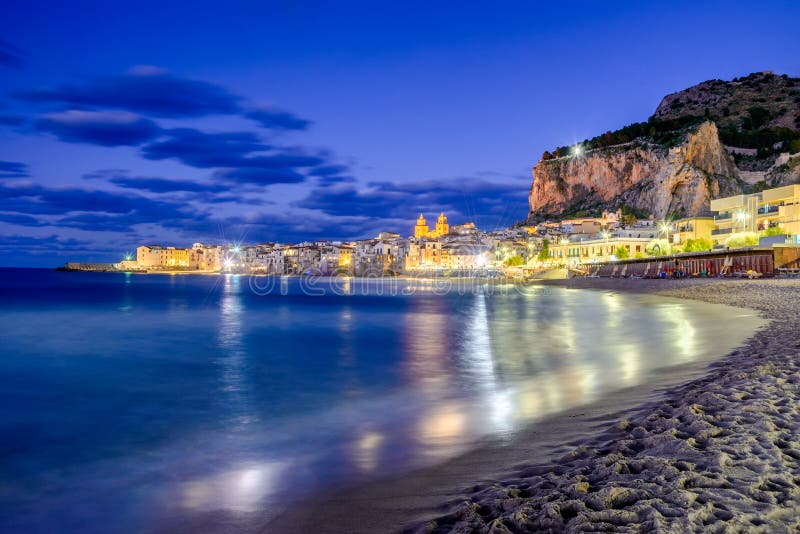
(611, 219)
(757, 212)
(781, 207)
(691, 228)
(594, 250)
(640, 230)
(301, 259)
(465, 256)
(205, 257)
(376, 257)
(335, 258)
(158, 257)
(591, 226)
(423, 254)
(421, 228)
(468, 228)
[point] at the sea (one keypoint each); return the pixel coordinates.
(130, 402)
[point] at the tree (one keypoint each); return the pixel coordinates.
(773, 230)
(514, 261)
(700, 244)
(742, 239)
(756, 118)
(621, 253)
(544, 252)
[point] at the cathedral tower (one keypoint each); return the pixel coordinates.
(421, 229)
(442, 228)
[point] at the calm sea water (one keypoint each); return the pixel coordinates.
(129, 400)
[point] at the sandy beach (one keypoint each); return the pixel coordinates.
(719, 450)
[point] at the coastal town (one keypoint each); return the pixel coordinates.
(765, 221)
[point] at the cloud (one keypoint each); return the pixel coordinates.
(42, 244)
(274, 227)
(261, 176)
(105, 128)
(20, 219)
(205, 150)
(51, 250)
(13, 169)
(91, 209)
(277, 119)
(488, 204)
(331, 174)
(10, 55)
(239, 156)
(144, 89)
(123, 179)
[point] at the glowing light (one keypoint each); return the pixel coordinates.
(367, 450)
(480, 261)
(228, 263)
(577, 151)
(741, 216)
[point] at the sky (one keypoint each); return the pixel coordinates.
(129, 123)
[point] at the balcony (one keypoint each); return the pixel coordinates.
(723, 216)
(722, 231)
(766, 210)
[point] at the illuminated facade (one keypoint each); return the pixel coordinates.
(442, 227)
(423, 254)
(757, 212)
(158, 257)
(595, 250)
(691, 228)
(205, 258)
(421, 228)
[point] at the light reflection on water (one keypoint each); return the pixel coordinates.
(219, 399)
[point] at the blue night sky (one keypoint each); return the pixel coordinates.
(123, 123)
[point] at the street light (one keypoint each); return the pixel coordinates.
(742, 217)
(665, 228)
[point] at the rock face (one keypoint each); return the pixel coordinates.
(650, 178)
(728, 103)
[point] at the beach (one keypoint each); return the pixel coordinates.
(718, 452)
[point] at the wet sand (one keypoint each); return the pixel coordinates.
(603, 467)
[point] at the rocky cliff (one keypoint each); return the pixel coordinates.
(775, 99)
(640, 175)
(678, 160)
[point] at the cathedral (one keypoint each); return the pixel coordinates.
(421, 229)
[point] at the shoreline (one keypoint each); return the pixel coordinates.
(720, 452)
(488, 483)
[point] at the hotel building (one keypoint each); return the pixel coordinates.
(757, 212)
